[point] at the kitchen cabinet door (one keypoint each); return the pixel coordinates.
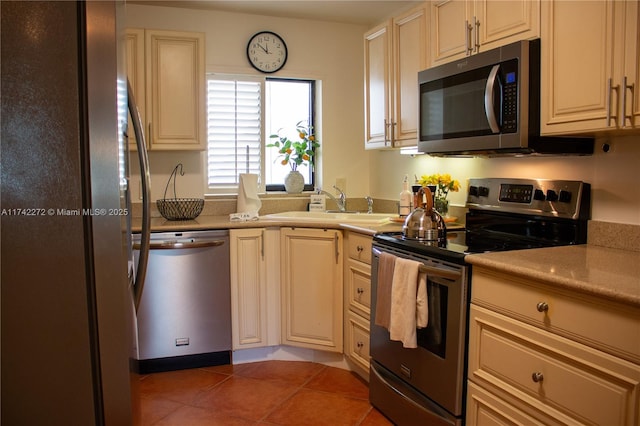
(463, 28)
(248, 288)
(167, 74)
(449, 30)
(409, 58)
(589, 50)
(377, 87)
(394, 54)
(135, 73)
(498, 23)
(631, 99)
(312, 269)
(176, 90)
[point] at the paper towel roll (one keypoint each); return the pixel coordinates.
(248, 200)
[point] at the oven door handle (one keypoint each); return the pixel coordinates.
(430, 270)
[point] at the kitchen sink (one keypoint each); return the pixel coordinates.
(333, 217)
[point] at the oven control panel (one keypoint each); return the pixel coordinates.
(557, 198)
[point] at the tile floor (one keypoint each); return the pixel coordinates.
(261, 393)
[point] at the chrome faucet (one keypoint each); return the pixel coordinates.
(369, 204)
(341, 201)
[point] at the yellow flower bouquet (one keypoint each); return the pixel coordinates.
(443, 183)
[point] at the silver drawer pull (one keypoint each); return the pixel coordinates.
(537, 377)
(542, 307)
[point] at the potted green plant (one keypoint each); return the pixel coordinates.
(295, 153)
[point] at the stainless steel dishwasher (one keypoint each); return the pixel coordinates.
(184, 317)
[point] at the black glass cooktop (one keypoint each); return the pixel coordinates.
(489, 232)
(453, 249)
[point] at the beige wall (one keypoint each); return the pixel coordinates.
(329, 52)
(333, 53)
(614, 176)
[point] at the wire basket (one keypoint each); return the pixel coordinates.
(179, 208)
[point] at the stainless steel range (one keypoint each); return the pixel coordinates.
(426, 384)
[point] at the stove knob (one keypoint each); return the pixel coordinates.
(538, 194)
(552, 195)
(483, 191)
(565, 196)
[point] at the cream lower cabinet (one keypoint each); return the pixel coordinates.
(357, 293)
(538, 355)
(590, 66)
(167, 74)
(312, 290)
(460, 28)
(394, 54)
(255, 287)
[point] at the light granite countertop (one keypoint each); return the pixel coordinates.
(613, 273)
(201, 223)
(600, 271)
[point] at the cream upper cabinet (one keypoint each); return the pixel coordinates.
(377, 87)
(312, 274)
(255, 292)
(590, 66)
(394, 54)
(174, 88)
(461, 28)
(135, 73)
(542, 355)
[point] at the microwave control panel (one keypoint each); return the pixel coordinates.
(509, 77)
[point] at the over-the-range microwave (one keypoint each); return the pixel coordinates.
(488, 104)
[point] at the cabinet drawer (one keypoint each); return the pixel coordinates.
(358, 281)
(485, 408)
(545, 370)
(359, 247)
(589, 320)
(357, 344)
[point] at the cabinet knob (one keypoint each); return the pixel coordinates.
(360, 290)
(537, 377)
(359, 345)
(542, 307)
(359, 248)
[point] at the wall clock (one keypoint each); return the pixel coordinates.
(267, 51)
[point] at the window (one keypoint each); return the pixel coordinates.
(287, 102)
(241, 115)
(234, 131)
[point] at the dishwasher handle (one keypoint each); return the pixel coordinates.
(173, 245)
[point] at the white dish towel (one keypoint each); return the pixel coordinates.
(402, 325)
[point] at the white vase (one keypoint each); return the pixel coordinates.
(294, 182)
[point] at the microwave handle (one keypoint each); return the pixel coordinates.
(488, 99)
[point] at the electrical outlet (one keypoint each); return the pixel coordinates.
(342, 184)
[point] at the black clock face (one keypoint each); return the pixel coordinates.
(267, 52)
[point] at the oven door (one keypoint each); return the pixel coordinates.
(436, 368)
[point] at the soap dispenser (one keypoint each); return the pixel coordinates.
(405, 198)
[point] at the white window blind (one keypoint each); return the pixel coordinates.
(234, 131)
